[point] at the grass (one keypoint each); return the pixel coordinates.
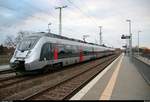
(4, 59)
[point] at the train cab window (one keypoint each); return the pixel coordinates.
(27, 43)
(46, 52)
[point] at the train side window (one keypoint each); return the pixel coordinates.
(78, 50)
(65, 51)
(85, 50)
(75, 51)
(68, 50)
(61, 51)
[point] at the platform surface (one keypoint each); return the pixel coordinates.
(121, 81)
(143, 59)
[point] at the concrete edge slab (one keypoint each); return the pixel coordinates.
(142, 73)
(85, 89)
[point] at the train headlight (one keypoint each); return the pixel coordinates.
(28, 54)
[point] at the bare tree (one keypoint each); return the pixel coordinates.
(12, 41)
(19, 36)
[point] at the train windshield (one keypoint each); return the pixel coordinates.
(27, 44)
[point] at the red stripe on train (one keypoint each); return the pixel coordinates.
(55, 54)
(81, 55)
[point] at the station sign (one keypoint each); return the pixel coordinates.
(125, 37)
(124, 46)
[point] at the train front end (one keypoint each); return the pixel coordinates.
(24, 54)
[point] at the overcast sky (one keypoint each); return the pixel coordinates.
(81, 17)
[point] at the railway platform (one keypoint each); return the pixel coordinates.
(123, 79)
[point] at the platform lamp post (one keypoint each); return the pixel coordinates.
(138, 44)
(130, 41)
(84, 37)
(126, 38)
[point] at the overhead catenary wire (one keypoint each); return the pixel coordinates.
(88, 10)
(32, 7)
(28, 14)
(89, 17)
(41, 10)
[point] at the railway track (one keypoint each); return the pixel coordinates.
(12, 80)
(65, 89)
(6, 76)
(6, 71)
(65, 86)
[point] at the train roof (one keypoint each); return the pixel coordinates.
(41, 34)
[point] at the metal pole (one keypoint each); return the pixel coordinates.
(84, 39)
(138, 44)
(60, 25)
(100, 34)
(130, 38)
(126, 45)
(49, 28)
(130, 41)
(60, 18)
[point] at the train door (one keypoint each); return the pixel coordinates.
(55, 51)
(46, 57)
(45, 52)
(81, 54)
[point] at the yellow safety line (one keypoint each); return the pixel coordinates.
(106, 95)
